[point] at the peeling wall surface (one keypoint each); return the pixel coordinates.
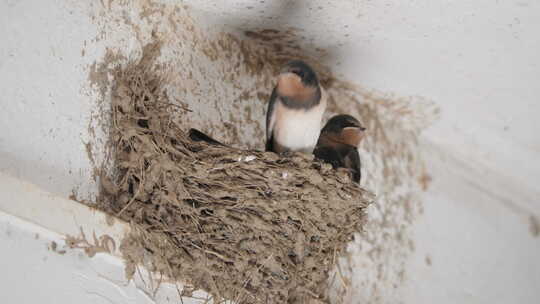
(448, 90)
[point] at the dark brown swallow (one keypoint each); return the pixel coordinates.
(295, 110)
(338, 142)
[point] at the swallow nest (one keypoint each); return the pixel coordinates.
(247, 226)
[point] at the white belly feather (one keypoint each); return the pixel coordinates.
(298, 130)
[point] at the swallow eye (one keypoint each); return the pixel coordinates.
(298, 72)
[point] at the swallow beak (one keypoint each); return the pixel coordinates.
(355, 129)
(292, 70)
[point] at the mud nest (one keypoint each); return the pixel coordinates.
(247, 226)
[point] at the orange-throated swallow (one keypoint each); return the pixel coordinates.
(295, 110)
(338, 142)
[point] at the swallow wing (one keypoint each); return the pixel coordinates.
(328, 155)
(352, 162)
(270, 121)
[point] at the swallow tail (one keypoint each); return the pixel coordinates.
(197, 135)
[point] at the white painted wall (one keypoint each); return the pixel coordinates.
(477, 60)
(478, 242)
(36, 271)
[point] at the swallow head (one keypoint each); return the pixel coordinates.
(298, 85)
(344, 129)
(305, 73)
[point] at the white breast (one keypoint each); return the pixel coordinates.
(298, 130)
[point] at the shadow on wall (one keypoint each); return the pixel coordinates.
(225, 80)
(275, 30)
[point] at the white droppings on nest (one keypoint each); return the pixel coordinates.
(246, 158)
(250, 158)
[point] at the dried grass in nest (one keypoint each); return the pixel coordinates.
(243, 225)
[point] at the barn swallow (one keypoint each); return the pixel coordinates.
(197, 135)
(338, 142)
(295, 110)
